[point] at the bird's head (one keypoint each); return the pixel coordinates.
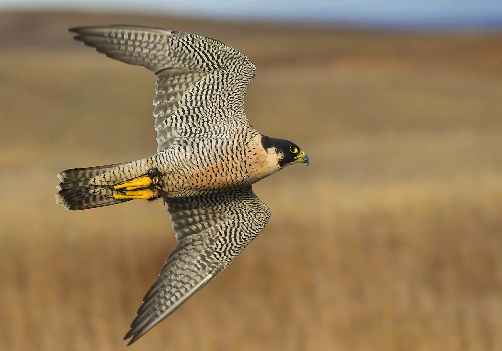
(286, 152)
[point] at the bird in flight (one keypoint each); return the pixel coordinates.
(208, 156)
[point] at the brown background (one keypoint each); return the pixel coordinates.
(390, 240)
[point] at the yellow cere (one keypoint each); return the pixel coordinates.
(300, 155)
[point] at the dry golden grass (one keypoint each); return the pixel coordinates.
(390, 240)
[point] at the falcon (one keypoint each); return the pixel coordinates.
(208, 156)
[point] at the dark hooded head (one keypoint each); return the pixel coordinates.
(287, 152)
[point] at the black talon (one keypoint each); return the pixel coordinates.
(153, 172)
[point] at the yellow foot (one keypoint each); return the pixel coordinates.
(137, 194)
(141, 182)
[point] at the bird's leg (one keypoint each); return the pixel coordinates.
(136, 183)
(146, 194)
(144, 187)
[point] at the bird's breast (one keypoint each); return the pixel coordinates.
(217, 166)
(219, 175)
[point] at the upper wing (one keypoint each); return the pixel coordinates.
(211, 231)
(201, 82)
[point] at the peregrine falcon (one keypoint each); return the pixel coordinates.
(208, 156)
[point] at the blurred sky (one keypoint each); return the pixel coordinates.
(397, 13)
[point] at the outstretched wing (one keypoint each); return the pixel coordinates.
(211, 231)
(201, 82)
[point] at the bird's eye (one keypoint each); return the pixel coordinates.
(293, 149)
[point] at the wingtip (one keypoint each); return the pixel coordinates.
(133, 336)
(128, 335)
(77, 33)
(75, 29)
(80, 29)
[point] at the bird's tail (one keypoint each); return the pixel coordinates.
(83, 188)
(78, 189)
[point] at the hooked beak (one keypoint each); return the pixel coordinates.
(302, 158)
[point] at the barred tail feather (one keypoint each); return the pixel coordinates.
(81, 174)
(76, 193)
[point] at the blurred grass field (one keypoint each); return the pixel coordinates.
(390, 240)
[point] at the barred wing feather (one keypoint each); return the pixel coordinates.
(201, 82)
(211, 231)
